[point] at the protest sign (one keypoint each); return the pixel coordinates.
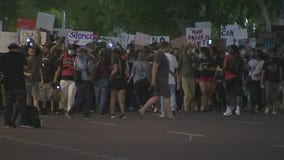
(227, 32)
(28, 24)
(31, 34)
(142, 39)
(178, 42)
(7, 38)
(241, 34)
(45, 21)
(125, 39)
(203, 25)
(267, 39)
(198, 37)
(80, 38)
(159, 39)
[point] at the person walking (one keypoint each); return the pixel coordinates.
(160, 78)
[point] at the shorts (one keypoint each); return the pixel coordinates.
(162, 89)
(45, 92)
(32, 88)
(118, 83)
(207, 79)
(234, 86)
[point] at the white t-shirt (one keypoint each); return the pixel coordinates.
(173, 66)
(256, 68)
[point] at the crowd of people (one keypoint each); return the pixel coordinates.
(99, 78)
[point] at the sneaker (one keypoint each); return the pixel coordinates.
(112, 116)
(274, 112)
(7, 126)
(266, 111)
(228, 112)
(122, 116)
(26, 126)
(69, 116)
(237, 112)
(161, 115)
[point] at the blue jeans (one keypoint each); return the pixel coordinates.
(102, 89)
(11, 98)
(173, 99)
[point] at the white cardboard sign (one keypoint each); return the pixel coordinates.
(7, 38)
(45, 21)
(198, 37)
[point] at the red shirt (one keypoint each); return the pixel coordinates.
(228, 74)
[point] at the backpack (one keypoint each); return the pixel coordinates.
(235, 65)
(33, 117)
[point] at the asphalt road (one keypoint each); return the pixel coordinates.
(199, 136)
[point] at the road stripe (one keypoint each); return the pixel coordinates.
(246, 122)
(104, 124)
(185, 134)
(278, 146)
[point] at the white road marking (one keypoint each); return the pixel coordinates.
(185, 134)
(104, 124)
(246, 122)
(278, 146)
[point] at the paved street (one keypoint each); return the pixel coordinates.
(199, 136)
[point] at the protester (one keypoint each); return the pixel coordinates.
(65, 73)
(233, 81)
(13, 65)
(270, 80)
(140, 75)
(160, 77)
(118, 79)
(32, 76)
(83, 66)
(187, 65)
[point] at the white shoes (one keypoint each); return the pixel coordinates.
(266, 111)
(228, 112)
(238, 111)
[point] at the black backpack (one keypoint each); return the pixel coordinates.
(236, 64)
(33, 117)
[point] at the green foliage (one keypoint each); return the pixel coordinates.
(155, 17)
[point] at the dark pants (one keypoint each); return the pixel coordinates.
(11, 97)
(83, 97)
(255, 91)
(142, 86)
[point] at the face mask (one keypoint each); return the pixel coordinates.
(128, 51)
(71, 52)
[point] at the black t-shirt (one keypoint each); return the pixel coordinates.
(164, 68)
(271, 68)
(206, 63)
(48, 67)
(12, 64)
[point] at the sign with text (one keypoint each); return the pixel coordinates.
(28, 24)
(203, 25)
(31, 34)
(7, 38)
(159, 39)
(142, 39)
(227, 32)
(45, 21)
(241, 34)
(268, 39)
(198, 37)
(125, 39)
(80, 37)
